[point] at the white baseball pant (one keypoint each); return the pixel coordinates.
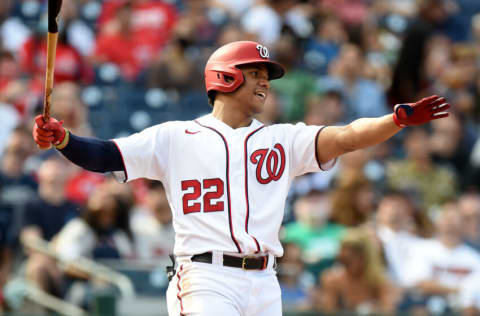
(204, 289)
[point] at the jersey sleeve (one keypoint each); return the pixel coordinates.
(303, 150)
(144, 154)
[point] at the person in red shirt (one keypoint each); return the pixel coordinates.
(132, 33)
(69, 65)
(117, 44)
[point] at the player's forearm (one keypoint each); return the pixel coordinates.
(367, 132)
(93, 154)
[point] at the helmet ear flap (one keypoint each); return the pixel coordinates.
(226, 83)
(224, 79)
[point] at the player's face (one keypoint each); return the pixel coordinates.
(254, 90)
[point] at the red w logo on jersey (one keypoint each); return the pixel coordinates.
(274, 164)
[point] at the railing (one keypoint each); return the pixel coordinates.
(93, 269)
(24, 290)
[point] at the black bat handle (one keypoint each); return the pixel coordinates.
(53, 11)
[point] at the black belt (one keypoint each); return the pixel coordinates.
(246, 263)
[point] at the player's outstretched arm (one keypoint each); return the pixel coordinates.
(89, 153)
(334, 141)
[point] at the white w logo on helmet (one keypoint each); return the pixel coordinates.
(263, 51)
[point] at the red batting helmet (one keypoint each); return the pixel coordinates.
(224, 60)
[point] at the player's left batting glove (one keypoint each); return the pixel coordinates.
(420, 112)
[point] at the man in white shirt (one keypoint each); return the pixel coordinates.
(440, 265)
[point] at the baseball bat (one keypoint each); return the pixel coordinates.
(52, 37)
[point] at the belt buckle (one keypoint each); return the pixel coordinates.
(244, 263)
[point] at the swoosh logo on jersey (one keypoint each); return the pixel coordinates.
(191, 133)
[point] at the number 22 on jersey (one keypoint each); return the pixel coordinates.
(191, 199)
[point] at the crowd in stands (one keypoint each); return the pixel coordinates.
(390, 229)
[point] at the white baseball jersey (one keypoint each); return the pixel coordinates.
(226, 187)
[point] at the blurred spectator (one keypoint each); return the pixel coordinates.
(69, 64)
(233, 8)
(451, 144)
(476, 32)
(441, 264)
(359, 284)
(352, 165)
(469, 207)
(101, 232)
(271, 113)
(9, 71)
(16, 189)
(325, 46)
(10, 24)
(70, 108)
(291, 275)
(132, 32)
(352, 201)
(460, 14)
(297, 84)
(203, 25)
(458, 74)
(231, 33)
(317, 237)
(326, 110)
(50, 211)
(8, 122)
(473, 177)
(175, 68)
(78, 32)
(152, 225)
(44, 218)
(395, 229)
(81, 184)
(470, 296)
(409, 78)
(14, 94)
(119, 45)
(364, 98)
(268, 18)
(418, 174)
(351, 12)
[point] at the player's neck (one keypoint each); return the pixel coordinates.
(231, 116)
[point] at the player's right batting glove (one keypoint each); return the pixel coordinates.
(49, 133)
(420, 112)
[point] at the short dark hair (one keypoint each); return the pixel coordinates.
(212, 94)
(122, 217)
(211, 97)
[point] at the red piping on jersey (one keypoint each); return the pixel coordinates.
(316, 147)
(246, 185)
(123, 162)
(228, 184)
(179, 295)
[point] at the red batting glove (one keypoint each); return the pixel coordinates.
(46, 134)
(420, 112)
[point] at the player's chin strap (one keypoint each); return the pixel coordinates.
(171, 269)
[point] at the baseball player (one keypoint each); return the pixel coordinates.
(227, 176)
